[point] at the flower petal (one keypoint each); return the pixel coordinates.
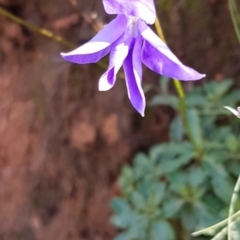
(234, 111)
(143, 9)
(100, 45)
(118, 54)
(158, 57)
(133, 75)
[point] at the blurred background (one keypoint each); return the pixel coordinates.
(64, 144)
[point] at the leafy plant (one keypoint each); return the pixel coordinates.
(180, 187)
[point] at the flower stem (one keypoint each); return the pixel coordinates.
(221, 224)
(44, 32)
(159, 29)
(181, 94)
(176, 82)
(232, 205)
(234, 15)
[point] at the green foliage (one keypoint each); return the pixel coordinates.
(175, 189)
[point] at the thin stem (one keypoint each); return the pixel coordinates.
(232, 204)
(176, 82)
(159, 29)
(221, 235)
(44, 32)
(216, 226)
(180, 92)
(234, 15)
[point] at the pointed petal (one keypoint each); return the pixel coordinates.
(158, 57)
(143, 9)
(118, 54)
(234, 111)
(100, 45)
(133, 76)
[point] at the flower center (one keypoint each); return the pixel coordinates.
(131, 30)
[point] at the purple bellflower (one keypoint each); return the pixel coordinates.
(130, 43)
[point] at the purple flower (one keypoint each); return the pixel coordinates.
(130, 43)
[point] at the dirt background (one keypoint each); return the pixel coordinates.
(62, 143)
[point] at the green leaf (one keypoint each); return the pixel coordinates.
(123, 236)
(213, 167)
(224, 86)
(142, 165)
(234, 168)
(210, 88)
(214, 204)
(138, 227)
(171, 207)
(171, 150)
(144, 186)
(196, 100)
(157, 193)
(164, 84)
(197, 177)
(162, 230)
(223, 188)
(127, 174)
(176, 129)
(232, 143)
(168, 100)
(171, 165)
(126, 180)
(122, 218)
(195, 127)
(119, 205)
(178, 181)
(141, 159)
(156, 151)
(137, 200)
(203, 216)
(230, 100)
(189, 217)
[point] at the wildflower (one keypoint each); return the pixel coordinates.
(130, 43)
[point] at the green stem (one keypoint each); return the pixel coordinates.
(232, 205)
(44, 32)
(216, 226)
(235, 17)
(221, 235)
(176, 82)
(181, 94)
